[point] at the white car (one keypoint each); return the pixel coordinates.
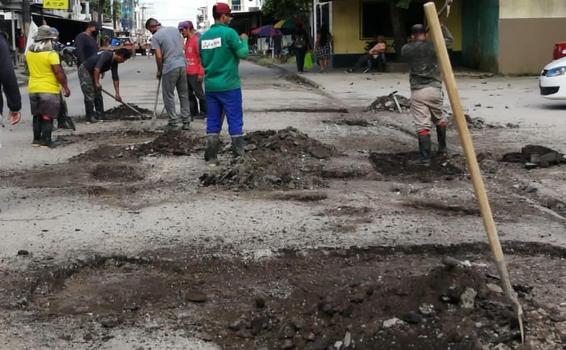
(553, 80)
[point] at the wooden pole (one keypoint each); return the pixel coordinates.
(471, 160)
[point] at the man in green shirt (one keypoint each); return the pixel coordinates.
(221, 50)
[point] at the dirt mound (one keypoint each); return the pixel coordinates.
(387, 104)
(117, 172)
(284, 159)
(535, 156)
(406, 165)
(124, 113)
(359, 299)
(173, 142)
(349, 122)
(105, 152)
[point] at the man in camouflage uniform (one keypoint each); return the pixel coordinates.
(426, 91)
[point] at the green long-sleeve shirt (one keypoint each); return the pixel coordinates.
(220, 51)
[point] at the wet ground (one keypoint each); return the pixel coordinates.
(369, 298)
(326, 235)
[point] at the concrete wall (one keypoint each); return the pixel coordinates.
(532, 9)
(480, 34)
(530, 51)
(528, 31)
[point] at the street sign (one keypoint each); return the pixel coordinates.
(56, 4)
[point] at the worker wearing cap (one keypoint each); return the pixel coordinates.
(46, 77)
(426, 91)
(195, 72)
(221, 50)
(171, 69)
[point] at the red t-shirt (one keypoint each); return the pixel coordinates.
(194, 66)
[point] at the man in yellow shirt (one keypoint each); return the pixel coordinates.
(45, 78)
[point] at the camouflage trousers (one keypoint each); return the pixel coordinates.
(92, 96)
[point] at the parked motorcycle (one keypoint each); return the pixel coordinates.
(67, 53)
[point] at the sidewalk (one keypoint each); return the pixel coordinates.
(497, 99)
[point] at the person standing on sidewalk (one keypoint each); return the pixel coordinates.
(426, 91)
(195, 71)
(9, 85)
(45, 77)
(221, 50)
(87, 47)
(301, 46)
(171, 69)
(92, 69)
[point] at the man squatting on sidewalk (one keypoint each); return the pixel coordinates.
(221, 50)
(171, 69)
(45, 76)
(426, 90)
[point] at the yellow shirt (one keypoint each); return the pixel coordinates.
(42, 80)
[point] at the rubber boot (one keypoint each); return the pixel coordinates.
(211, 153)
(46, 131)
(425, 146)
(441, 135)
(238, 145)
(36, 131)
(89, 109)
(99, 106)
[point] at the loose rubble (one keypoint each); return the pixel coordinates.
(535, 156)
(387, 104)
(285, 159)
(123, 112)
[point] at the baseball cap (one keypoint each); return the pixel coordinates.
(185, 25)
(418, 29)
(222, 8)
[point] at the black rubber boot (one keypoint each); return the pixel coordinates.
(211, 153)
(46, 131)
(425, 146)
(238, 145)
(90, 115)
(99, 106)
(36, 131)
(441, 135)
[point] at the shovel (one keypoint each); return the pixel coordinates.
(154, 118)
(467, 144)
(393, 94)
(124, 103)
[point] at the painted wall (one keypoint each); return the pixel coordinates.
(480, 34)
(346, 26)
(533, 50)
(532, 9)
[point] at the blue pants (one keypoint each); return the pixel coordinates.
(229, 102)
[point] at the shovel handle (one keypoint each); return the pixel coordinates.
(469, 151)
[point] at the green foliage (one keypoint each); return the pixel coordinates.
(404, 4)
(117, 7)
(283, 9)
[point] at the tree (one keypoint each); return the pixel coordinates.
(283, 9)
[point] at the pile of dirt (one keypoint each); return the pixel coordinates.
(407, 165)
(124, 113)
(117, 172)
(173, 142)
(535, 156)
(387, 104)
(284, 159)
(365, 299)
(349, 122)
(480, 123)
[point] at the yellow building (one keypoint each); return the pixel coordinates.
(505, 36)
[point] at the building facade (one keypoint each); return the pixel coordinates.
(500, 36)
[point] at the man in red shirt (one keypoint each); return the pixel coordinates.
(195, 71)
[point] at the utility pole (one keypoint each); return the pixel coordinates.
(26, 17)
